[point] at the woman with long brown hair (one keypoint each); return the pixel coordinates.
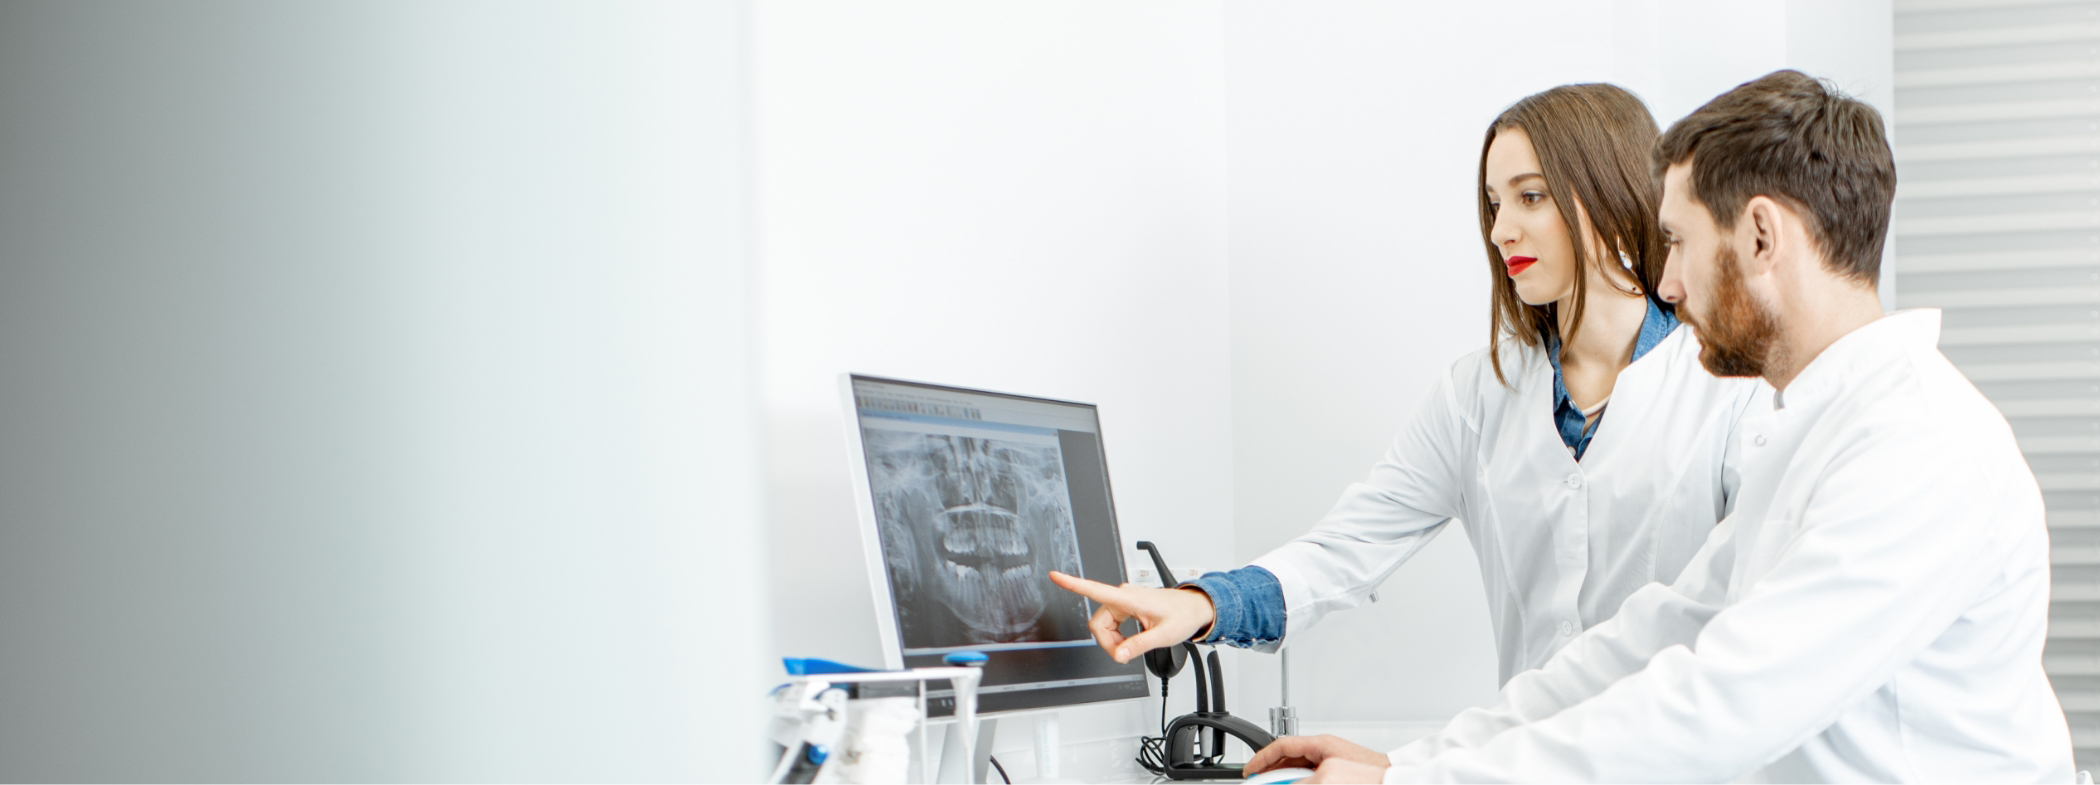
(1585, 450)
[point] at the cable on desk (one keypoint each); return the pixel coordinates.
(1002, 769)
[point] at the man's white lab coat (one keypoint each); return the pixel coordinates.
(1561, 544)
(1873, 609)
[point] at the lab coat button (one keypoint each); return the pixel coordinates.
(1574, 480)
(1759, 440)
(1567, 628)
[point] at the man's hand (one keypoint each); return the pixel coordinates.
(1339, 770)
(1336, 760)
(1169, 616)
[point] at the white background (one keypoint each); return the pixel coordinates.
(1245, 230)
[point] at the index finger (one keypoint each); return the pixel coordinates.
(1093, 590)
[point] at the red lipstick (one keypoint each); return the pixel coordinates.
(1518, 264)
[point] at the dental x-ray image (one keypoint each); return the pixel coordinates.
(970, 529)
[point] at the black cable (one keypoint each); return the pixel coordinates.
(1152, 754)
(1217, 704)
(1002, 769)
(1152, 750)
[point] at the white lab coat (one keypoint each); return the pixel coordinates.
(1874, 609)
(1560, 543)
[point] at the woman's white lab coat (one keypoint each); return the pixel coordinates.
(1561, 543)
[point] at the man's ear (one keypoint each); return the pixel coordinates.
(1762, 225)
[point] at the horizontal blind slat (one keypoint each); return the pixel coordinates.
(2059, 445)
(2027, 372)
(1994, 223)
(1998, 298)
(2046, 109)
(1998, 186)
(1997, 148)
(2020, 334)
(2051, 407)
(1999, 36)
(1998, 74)
(2077, 555)
(2074, 520)
(1996, 260)
(1923, 6)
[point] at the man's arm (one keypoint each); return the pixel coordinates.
(1653, 619)
(1890, 551)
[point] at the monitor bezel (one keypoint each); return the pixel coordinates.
(886, 623)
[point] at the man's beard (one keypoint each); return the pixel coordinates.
(1737, 336)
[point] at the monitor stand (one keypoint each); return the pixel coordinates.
(952, 764)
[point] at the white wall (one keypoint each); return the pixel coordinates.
(1357, 270)
(379, 396)
(1022, 197)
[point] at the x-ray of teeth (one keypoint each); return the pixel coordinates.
(971, 529)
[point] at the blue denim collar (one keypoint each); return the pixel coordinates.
(1656, 326)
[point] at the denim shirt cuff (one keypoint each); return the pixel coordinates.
(1249, 603)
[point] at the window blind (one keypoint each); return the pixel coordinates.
(1997, 223)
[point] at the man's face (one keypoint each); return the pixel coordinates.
(1704, 277)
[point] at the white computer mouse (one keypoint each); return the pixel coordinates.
(1279, 776)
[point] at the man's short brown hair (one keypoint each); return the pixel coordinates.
(1795, 139)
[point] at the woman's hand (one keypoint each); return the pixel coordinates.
(1350, 762)
(1169, 616)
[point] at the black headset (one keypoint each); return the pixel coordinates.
(1179, 759)
(1165, 661)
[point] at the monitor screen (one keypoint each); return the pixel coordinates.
(968, 500)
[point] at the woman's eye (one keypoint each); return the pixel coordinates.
(1533, 197)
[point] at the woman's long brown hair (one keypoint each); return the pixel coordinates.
(1594, 142)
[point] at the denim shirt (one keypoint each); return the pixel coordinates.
(1249, 600)
(1654, 327)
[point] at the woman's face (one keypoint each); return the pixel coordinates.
(1537, 252)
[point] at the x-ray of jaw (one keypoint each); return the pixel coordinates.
(970, 529)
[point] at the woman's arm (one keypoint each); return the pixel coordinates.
(1383, 520)
(1377, 524)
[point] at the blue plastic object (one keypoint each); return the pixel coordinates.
(965, 658)
(811, 666)
(818, 753)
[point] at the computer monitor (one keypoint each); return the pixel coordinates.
(968, 499)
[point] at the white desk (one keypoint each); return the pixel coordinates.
(1115, 760)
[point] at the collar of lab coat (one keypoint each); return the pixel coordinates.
(1872, 344)
(1571, 421)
